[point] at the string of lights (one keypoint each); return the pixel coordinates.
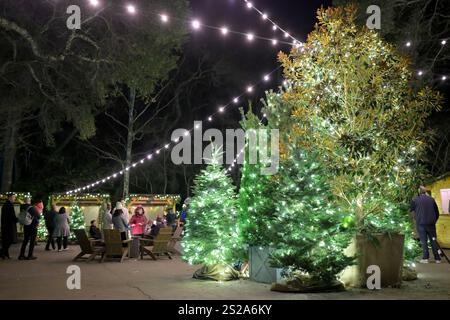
(196, 25)
(220, 111)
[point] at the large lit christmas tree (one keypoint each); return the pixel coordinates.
(360, 88)
(76, 219)
(211, 230)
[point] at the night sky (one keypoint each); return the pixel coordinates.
(246, 62)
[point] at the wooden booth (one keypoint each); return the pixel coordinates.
(154, 205)
(21, 197)
(440, 191)
(90, 203)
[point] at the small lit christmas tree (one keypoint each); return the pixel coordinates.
(76, 219)
(311, 231)
(211, 231)
(256, 195)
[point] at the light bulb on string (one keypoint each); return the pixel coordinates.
(444, 42)
(265, 16)
(249, 5)
(164, 18)
(444, 78)
(274, 42)
(94, 3)
(250, 36)
(224, 30)
(408, 44)
(249, 89)
(196, 24)
(131, 9)
(266, 77)
(236, 100)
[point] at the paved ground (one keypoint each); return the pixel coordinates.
(46, 277)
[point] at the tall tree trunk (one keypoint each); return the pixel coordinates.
(130, 139)
(10, 148)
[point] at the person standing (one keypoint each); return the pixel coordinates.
(49, 217)
(426, 214)
(62, 229)
(107, 219)
(138, 222)
(30, 231)
(120, 223)
(9, 225)
(23, 207)
(171, 219)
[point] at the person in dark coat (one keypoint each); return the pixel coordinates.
(30, 231)
(94, 232)
(9, 225)
(426, 214)
(49, 217)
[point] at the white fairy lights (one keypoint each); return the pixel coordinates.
(94, 3)
(150, 156)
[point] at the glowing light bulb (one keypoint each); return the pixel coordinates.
(196, 24)
(444, 42)
(265, 16)
(274, 28)
(224, 30)
(221, 109)
(167, 146)
(249, 5)
(94, 2)
(250, 37)
(164, 18)
(186, 133)
(286, 35)
(420, 73)
(210, 119)
(444, 78)
(274, 42)
(266, 77)
(408, 44)
(249, 89)
(236, 100)
(131, 9)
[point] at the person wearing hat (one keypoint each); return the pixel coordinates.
(9, 225)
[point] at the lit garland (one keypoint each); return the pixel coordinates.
(20, 196)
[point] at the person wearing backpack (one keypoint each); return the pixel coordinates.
(9, 221)
(31, 223)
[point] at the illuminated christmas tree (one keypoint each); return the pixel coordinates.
(256, 195)
(311, 230)
(359, 89)
(76, 219)
(211, 230)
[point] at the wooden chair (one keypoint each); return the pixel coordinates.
(87, 246)
(159, 244)
(114, 245)
(175, 238)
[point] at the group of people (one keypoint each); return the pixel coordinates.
(9, 220)
(138, 224)
(57, 223)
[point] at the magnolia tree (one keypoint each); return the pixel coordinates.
(358, 88)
